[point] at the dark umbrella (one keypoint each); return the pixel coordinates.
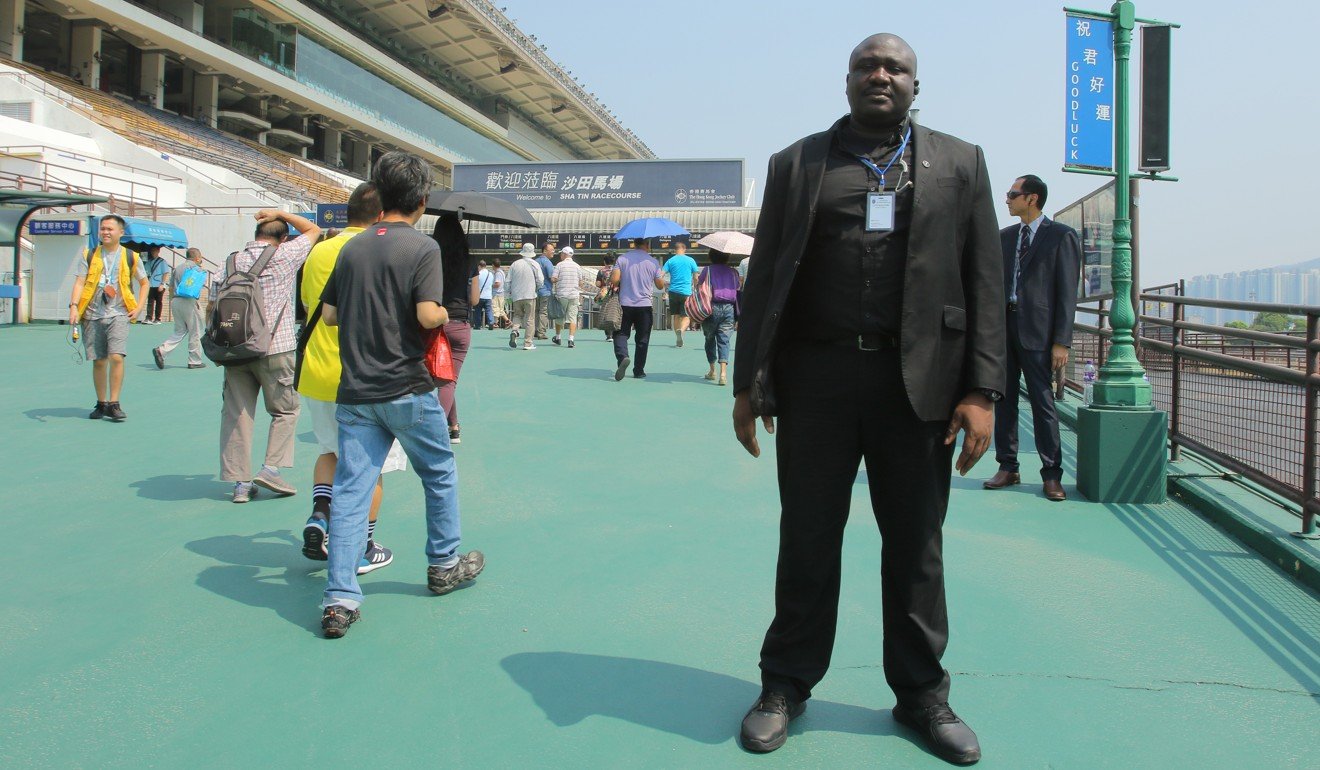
(484, 208)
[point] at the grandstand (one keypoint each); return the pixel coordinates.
(200, 113)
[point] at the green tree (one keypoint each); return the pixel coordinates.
(1237, 325)
(1271, 322)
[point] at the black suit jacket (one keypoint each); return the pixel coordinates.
(952, 334)
(1047, 288)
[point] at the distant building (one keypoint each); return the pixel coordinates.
(1288, 284)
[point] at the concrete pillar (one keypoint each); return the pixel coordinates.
(12, 15)
(152, 83)
(361, 164)
(330, 147)
(85, 55)
(206, 98)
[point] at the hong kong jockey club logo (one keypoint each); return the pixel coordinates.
(680, 196)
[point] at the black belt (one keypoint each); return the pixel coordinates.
(868, 342)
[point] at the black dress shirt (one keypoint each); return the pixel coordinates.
(851, 281)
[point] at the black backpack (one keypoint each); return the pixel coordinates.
(237, 331)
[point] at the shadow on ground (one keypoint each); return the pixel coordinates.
(292, 590)
(40, 415)
(699, 705)
(1284, 624)
(178, 487)
(665, 378)
(268, 570)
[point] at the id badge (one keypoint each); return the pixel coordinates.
(879, 212)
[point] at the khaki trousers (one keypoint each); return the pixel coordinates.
(273, 377)
(187, 324)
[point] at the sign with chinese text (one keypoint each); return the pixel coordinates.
(55, 227)
(1089, 124)
(607, 184)
(332, 215)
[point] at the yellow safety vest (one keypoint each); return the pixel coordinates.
(94, 267)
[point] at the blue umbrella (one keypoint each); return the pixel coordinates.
(650, 227)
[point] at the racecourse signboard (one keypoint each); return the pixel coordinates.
(607, 184)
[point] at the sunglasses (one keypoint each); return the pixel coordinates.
(1013, 194)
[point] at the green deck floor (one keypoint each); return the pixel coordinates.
(147, 621)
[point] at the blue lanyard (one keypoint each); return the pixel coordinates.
(880, 172)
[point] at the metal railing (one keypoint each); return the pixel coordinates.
(1243, 398)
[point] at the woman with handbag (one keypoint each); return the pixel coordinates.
(722, 281)
(611, 311)
(461, 291)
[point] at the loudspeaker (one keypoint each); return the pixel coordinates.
(1155, 42)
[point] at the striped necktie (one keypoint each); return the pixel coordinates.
(1023, 245)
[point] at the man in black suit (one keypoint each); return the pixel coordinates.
(873, 327)
(1042, 264)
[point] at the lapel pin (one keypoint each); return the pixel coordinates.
(925, 164)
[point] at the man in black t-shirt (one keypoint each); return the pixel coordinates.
(387, 288)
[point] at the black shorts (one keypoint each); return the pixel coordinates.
(678, 304)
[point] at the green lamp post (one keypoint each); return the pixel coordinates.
(1121, 438)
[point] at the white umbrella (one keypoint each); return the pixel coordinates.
(729, 242)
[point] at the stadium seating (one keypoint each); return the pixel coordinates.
(282, 173)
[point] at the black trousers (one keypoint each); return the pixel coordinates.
(1034, 367)
(839, 407)
(639, 318)
(155, 301)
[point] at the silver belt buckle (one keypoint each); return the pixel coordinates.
(862, 345)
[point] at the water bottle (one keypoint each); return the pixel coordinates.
(1088, 382)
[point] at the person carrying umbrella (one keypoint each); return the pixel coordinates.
(635, 272)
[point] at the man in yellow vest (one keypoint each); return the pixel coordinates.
(318, 382)
(104, 301)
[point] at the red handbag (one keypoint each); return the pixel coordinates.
(439, 355)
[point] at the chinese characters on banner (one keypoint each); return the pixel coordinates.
(1089, 113)
(607, 184)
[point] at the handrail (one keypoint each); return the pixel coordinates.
(15, 151)
(47, 165)
(1230, 304)
(1206, 374)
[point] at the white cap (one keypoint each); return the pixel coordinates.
(567, 251)
(528, 250)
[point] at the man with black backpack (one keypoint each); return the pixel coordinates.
(252, 334)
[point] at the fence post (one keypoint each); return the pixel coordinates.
(1309, 430)
(1175, 386)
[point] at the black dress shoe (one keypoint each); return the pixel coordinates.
(765, 728)
(945, 734)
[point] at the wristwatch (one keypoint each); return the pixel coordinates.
(991, 394)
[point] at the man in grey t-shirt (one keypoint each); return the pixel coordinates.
(103, 301)
(385, 295)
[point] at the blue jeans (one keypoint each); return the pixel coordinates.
(483, 314)
(365, 434)
(716, 329)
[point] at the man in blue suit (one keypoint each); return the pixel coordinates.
(1042, 264)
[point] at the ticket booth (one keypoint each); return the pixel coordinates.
(16, 208)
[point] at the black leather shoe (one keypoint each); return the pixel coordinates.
(765, 728)
(945, 734)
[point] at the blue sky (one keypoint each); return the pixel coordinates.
(742, 79)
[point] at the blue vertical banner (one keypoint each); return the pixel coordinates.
(1089, 124)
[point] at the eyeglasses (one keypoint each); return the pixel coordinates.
(1012, 194)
